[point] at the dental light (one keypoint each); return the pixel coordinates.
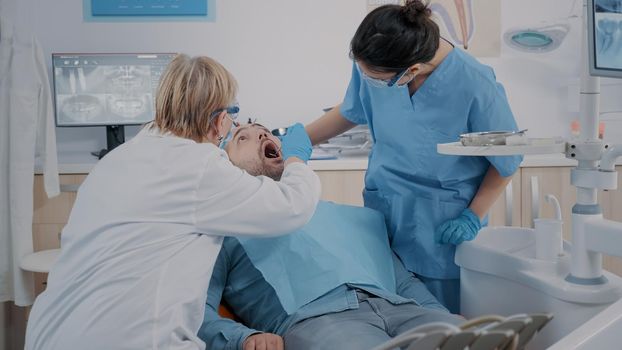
(542, 39)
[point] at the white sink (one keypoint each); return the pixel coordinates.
(500, 275)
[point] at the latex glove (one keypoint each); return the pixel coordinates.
(265, 341)
(463, 228)
(296, 143)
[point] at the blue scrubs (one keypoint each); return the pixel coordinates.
(415, 187)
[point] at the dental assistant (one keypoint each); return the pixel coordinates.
(147, 226)
(415, 90)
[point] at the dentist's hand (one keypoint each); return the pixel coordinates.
(264, 341)
(463, 228)
(296, 143)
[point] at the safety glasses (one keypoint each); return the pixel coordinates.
(400, 79)
(232, 113)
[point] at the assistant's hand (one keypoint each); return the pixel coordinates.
(296, 143)
(264, 341)
(463, 228)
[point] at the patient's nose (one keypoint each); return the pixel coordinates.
(263, 135)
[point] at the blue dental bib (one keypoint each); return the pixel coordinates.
(341, 244)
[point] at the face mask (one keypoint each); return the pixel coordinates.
(226, 139)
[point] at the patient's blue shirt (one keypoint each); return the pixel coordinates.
(240, 284)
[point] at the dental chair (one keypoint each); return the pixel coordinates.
(225, 312)
(483, 333)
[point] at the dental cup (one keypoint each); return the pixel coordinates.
(549, 241)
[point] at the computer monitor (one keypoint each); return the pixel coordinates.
(112, 90)
(604, 32)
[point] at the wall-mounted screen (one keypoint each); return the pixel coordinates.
(106, 89)
(605, 37)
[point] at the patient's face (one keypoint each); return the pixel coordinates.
(254, 149)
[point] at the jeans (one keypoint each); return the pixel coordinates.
(447, 291)
(373, 323)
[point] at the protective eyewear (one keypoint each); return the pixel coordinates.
(232, 113)
(400, 79)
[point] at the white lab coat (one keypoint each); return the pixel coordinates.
(139, 248)
(26, 130)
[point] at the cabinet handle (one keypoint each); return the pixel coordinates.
(535, 200)
(509, 204)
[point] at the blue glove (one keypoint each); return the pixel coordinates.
(296, 143)
(463, 228)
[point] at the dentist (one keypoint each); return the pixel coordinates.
(148, 222)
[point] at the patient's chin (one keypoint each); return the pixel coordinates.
(272, 169)
(273, 172)
(266, 168)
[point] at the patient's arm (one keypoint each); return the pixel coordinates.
(410, 287)
(218, 332)
(222, 333)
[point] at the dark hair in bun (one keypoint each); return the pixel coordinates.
(393, 37)
(416, 10)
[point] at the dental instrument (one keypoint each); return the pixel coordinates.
(279, 132)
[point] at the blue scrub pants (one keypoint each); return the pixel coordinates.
(373, 323)
(446, 291)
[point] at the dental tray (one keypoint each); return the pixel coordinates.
(490, 138)
(333, 146)
(530, 146)
(354, 142)
(346, 150)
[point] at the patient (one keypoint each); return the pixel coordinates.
(324, 287)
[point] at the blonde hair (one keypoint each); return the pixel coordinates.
(190, 91)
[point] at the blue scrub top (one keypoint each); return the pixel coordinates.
(416, 188)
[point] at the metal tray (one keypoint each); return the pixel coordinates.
(488, 138)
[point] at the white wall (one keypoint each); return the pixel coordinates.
(543, 89)
(290, 56)
(537, 84)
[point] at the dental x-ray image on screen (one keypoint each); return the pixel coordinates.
(606, 32)
(106, 89)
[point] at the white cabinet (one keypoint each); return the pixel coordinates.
(497, 214)
(49, 218)
(346, 187)
(342, 186)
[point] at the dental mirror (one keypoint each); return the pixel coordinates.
(279, 132)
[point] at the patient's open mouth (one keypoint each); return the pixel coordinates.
(270, 150)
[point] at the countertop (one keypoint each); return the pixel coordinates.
(82, 163)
